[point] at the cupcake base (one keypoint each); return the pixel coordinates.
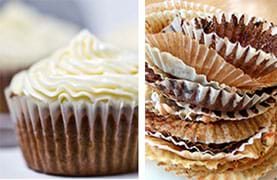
(77, 139)
(70, 153)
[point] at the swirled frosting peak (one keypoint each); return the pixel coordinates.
(86, 70)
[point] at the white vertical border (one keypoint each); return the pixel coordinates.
(141, 41)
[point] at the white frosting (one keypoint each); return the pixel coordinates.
(85, 70)
(26, 35)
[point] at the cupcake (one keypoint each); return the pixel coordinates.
(211, 95)
(76, 112)
(25, 36)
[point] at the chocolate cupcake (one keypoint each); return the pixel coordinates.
(25, 36)
(76, 112)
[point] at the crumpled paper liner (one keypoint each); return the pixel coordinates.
(256, 110)
(206, 61)
(247, 30)
(180, 5)
(164, 106)
(164, 62)
(187, 92)
(76, 138)
(216, 133)
(250, 171)
(159, 15)
(252, 149)
(157, 21)
(194, 169)
(255, 63)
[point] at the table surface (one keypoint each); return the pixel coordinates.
(12, 165)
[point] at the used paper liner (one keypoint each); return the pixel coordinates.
(255, 63)
(164, 106)
(180, 5)
(159, 15)
(256, 110)
(157, 21)
(164, 157)
(183, 92)
(256, 145)
(167, 63)
(242, 169)
(76, 138)
(248, 172)
(215, 133)
(247, 30)
(205, 60)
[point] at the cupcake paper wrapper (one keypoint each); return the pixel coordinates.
(164, 106)
(77, 138)
(247, 30)
(157, 21)
(167, 63)
(206, 61)
(159, 15)
(256, 110)
(252, 171)
(213, 169)
(255, 63)
(251, 149)
(187, 92)
(163, 157)
(178, 5)
(208, 133)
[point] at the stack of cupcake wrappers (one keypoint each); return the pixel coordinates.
(211, 96)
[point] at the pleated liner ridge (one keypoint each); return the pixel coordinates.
(77, 139)
(159, 15)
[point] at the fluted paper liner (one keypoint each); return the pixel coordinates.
(164, 157)
(242, 169)
(215, 133)
(183, 91)
(247, 30)
(179, 5)
(251, 149)
(255, 63)
(76, 138)
(159, 15)
(205, 60)
(187, 92)
(165, 106)
(256, 110)
(157, 21)
(249, 171)
(167, 63)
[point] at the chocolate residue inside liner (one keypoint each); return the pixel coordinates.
(150, 76)
(214, 148)
(252, 33)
